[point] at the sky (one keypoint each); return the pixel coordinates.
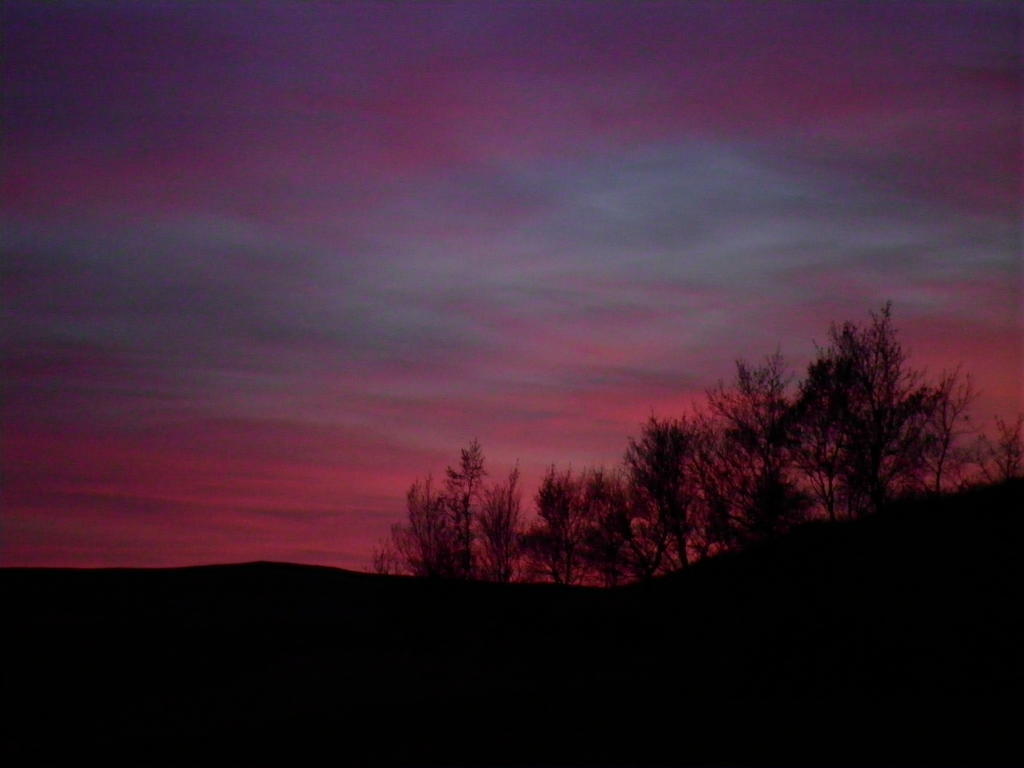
(265, 264)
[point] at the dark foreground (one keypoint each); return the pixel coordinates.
(894, 640)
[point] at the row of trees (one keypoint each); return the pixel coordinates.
(861, 428)
(467, 530)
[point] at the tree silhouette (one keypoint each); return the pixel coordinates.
(427, 544)
(885, 415)
(819, 446)
(609, 513)
(948, 421)
(1003, 458)
(463, 486)
(556, 541)
(499, 526)
(755, 452)
(657, 465)
(439, 537)
(386, 560)
(713, 530)
(862, 428)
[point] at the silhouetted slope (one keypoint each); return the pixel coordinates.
(890, 640)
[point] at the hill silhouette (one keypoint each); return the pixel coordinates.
(895, 639)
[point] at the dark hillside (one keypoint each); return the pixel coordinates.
(892, 640)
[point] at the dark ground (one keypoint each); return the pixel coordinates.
(892, 640)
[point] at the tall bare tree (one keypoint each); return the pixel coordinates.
(754, 460)
(713, 525)
(820, 439)
(886, 412)
(500, 533)
(463, 488)
(948, 422)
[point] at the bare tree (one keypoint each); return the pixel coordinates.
(1003, 458)
(948, 421)
(819, 443)
(609, 532)
(755, 457)
(463, 486)
(500, 532)
(556, 540)
(386, 560)
(886, 413)
(427, 544)
(713, 526)
(657, 465)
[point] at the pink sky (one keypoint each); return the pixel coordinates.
(266, 264)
